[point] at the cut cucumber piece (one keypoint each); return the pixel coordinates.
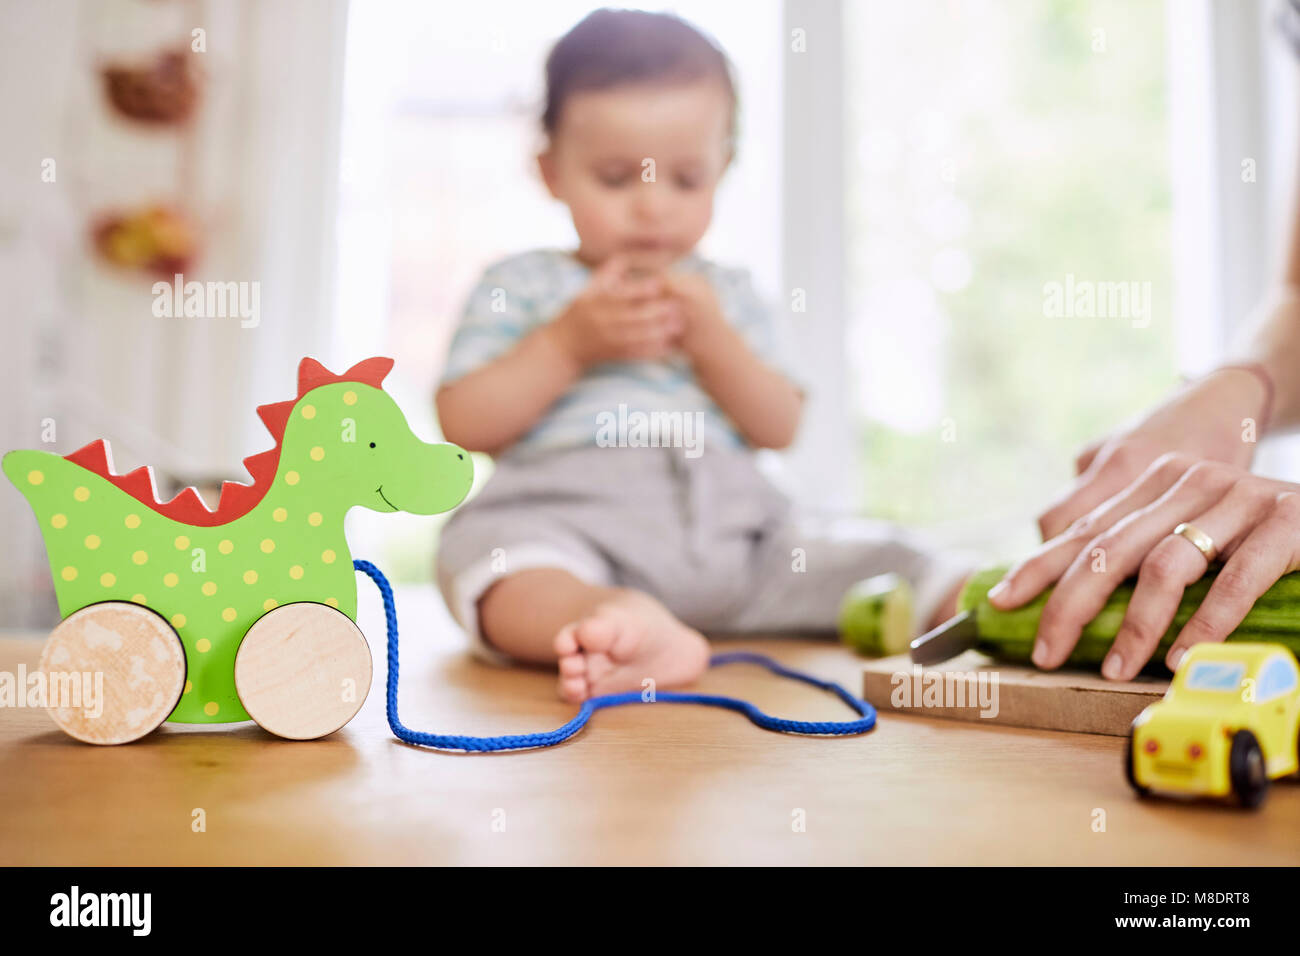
(876, 616)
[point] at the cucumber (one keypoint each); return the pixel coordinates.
(876, 615)
(1009, 635)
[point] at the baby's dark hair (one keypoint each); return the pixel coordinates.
(611, 48)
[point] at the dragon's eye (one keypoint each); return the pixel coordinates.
(372, 444)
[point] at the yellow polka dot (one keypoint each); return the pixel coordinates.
(279, 514)
(203, 645)
(291, 478)
(211, 708)
(35, 477)
(189, 686)
(138, 599)
(59, 521)
(182, 542)
(267, 545)
(92, 541)
(332, 602)
(226, 546)
(349, 397)
(314, 519)
(132, 521)
(82, 493)
(309, 411)
(269, 604)
(250, 577)
(108, 579)
(69, 573)
(295, 572)
(140, 557)
(178, 620)
(170, 580)
(328, 556)
(209, 588)
(317, 453)
(228, 615)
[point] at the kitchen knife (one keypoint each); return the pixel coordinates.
(952, 637)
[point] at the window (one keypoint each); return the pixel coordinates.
(438, 179)
(1008, 262)
(1006, 193)
(1279, 678)
(1214, 675)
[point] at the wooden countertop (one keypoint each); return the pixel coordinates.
(668, 784)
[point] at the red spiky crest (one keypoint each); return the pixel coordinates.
(236, 499)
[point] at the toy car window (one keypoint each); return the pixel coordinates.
(1278, 678)
(1215, 675)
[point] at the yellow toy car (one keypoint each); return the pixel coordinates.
(1229, 724)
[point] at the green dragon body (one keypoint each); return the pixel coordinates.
(342, 442)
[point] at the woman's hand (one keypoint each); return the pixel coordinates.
(1254, 522)
(1210, 419)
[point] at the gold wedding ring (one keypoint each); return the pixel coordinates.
(1204, 543)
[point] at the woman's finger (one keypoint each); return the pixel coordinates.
(1271, 550)
(1092, 578)
(1027, 580)
(1107, 473)
(1172, 564)
(1084, 459)
(1170, 567)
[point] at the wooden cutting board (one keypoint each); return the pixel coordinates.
(973, 687)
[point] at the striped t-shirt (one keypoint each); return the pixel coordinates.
(522, 292)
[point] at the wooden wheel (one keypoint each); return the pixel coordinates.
(303, 670)
(113, 672)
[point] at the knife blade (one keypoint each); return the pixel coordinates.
(952, 637)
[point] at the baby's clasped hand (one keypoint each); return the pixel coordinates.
(701, 313)
(620, 316)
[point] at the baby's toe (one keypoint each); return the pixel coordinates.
(599, 667)
(596, 635)
(566, 641)
(627, 643)
(573, 689)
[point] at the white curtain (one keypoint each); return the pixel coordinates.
(257, 170)
(1233, 122)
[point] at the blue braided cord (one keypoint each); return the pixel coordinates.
(590, 706)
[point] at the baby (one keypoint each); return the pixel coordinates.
(610, 554)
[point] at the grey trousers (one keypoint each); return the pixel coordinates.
(709, 536)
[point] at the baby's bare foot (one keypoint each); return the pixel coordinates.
(622, 642)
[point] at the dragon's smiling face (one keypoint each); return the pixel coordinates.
(353, 442)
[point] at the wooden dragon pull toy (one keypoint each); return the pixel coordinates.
(248, 611)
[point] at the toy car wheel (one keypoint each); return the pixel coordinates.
(1129, 772)
(113, 672)
(303, 670)
(1246, 769)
